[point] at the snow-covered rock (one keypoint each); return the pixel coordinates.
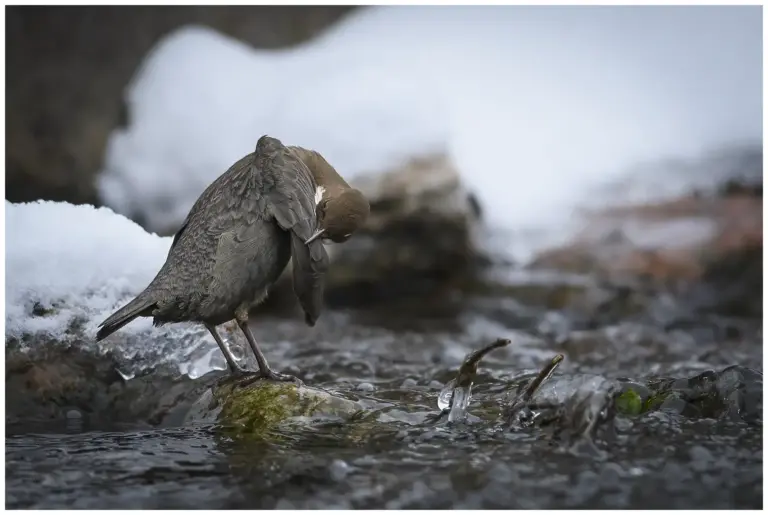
(69, 267)
(68, 263)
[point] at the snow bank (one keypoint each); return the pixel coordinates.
(536, 105)
(79, 261)
(201, 100)
(68, 265)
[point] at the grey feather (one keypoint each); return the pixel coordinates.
(308, 274)
(140, 306)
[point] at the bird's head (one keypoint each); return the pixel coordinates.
(339, 216)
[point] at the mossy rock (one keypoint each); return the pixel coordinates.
(630, 403)
(257, 408)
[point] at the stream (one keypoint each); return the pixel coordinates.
(698, 447)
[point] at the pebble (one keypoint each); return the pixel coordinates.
(339, 470)
(701, 458)
(408, 383)
(365, 387)
(293, 370)
(699, 453)
(284, 504)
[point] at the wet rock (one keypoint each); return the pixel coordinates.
(63, 382)
(256, 408)
(365, 387)
(735, 392)
(56, 381)
(675, 404)
(578, 411)
(742, 390)
(339, 470)
(701, 458)
(409, 382)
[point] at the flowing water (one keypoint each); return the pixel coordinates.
(568, 445)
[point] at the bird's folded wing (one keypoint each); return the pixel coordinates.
(291, 198)
(308, 276)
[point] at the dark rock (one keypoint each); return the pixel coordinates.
(58, 381)
(49, 383)
(734, 393)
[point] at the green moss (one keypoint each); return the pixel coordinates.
(258, 408)
(654, 401)
(630, 403)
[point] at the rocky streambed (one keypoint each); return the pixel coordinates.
(656, 404)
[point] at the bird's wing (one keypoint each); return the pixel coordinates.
(289, 196)
(289, 192)
(235, 252)
(308, 276)
(291, 199)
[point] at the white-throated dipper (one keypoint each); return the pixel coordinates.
(272, 205)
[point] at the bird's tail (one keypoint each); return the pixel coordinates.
(140, 306)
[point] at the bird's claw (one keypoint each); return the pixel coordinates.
(238, 372)
(272, 376)
(277, 376)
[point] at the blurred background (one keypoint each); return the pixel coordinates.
(532, 117)
(68, 68)
(580, 180)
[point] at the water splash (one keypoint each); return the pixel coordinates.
(457, 392)
(519, 406)
(446, 395)
(127, 376)
(459, 403)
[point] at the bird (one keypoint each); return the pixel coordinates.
(276, 204)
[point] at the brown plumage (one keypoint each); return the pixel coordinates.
(236, 241)
(341, 210)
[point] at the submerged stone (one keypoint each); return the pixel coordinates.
(261, 406)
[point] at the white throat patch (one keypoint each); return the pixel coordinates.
(319, 194)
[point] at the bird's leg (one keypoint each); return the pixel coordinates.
(264, 370)
(234, 369)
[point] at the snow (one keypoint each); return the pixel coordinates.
(83, 263)
(538, 106)
(83, 259)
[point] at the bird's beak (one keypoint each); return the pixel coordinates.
(315, 236)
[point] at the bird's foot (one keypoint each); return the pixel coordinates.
(271, 375)
(236, 371)
(277, 376)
